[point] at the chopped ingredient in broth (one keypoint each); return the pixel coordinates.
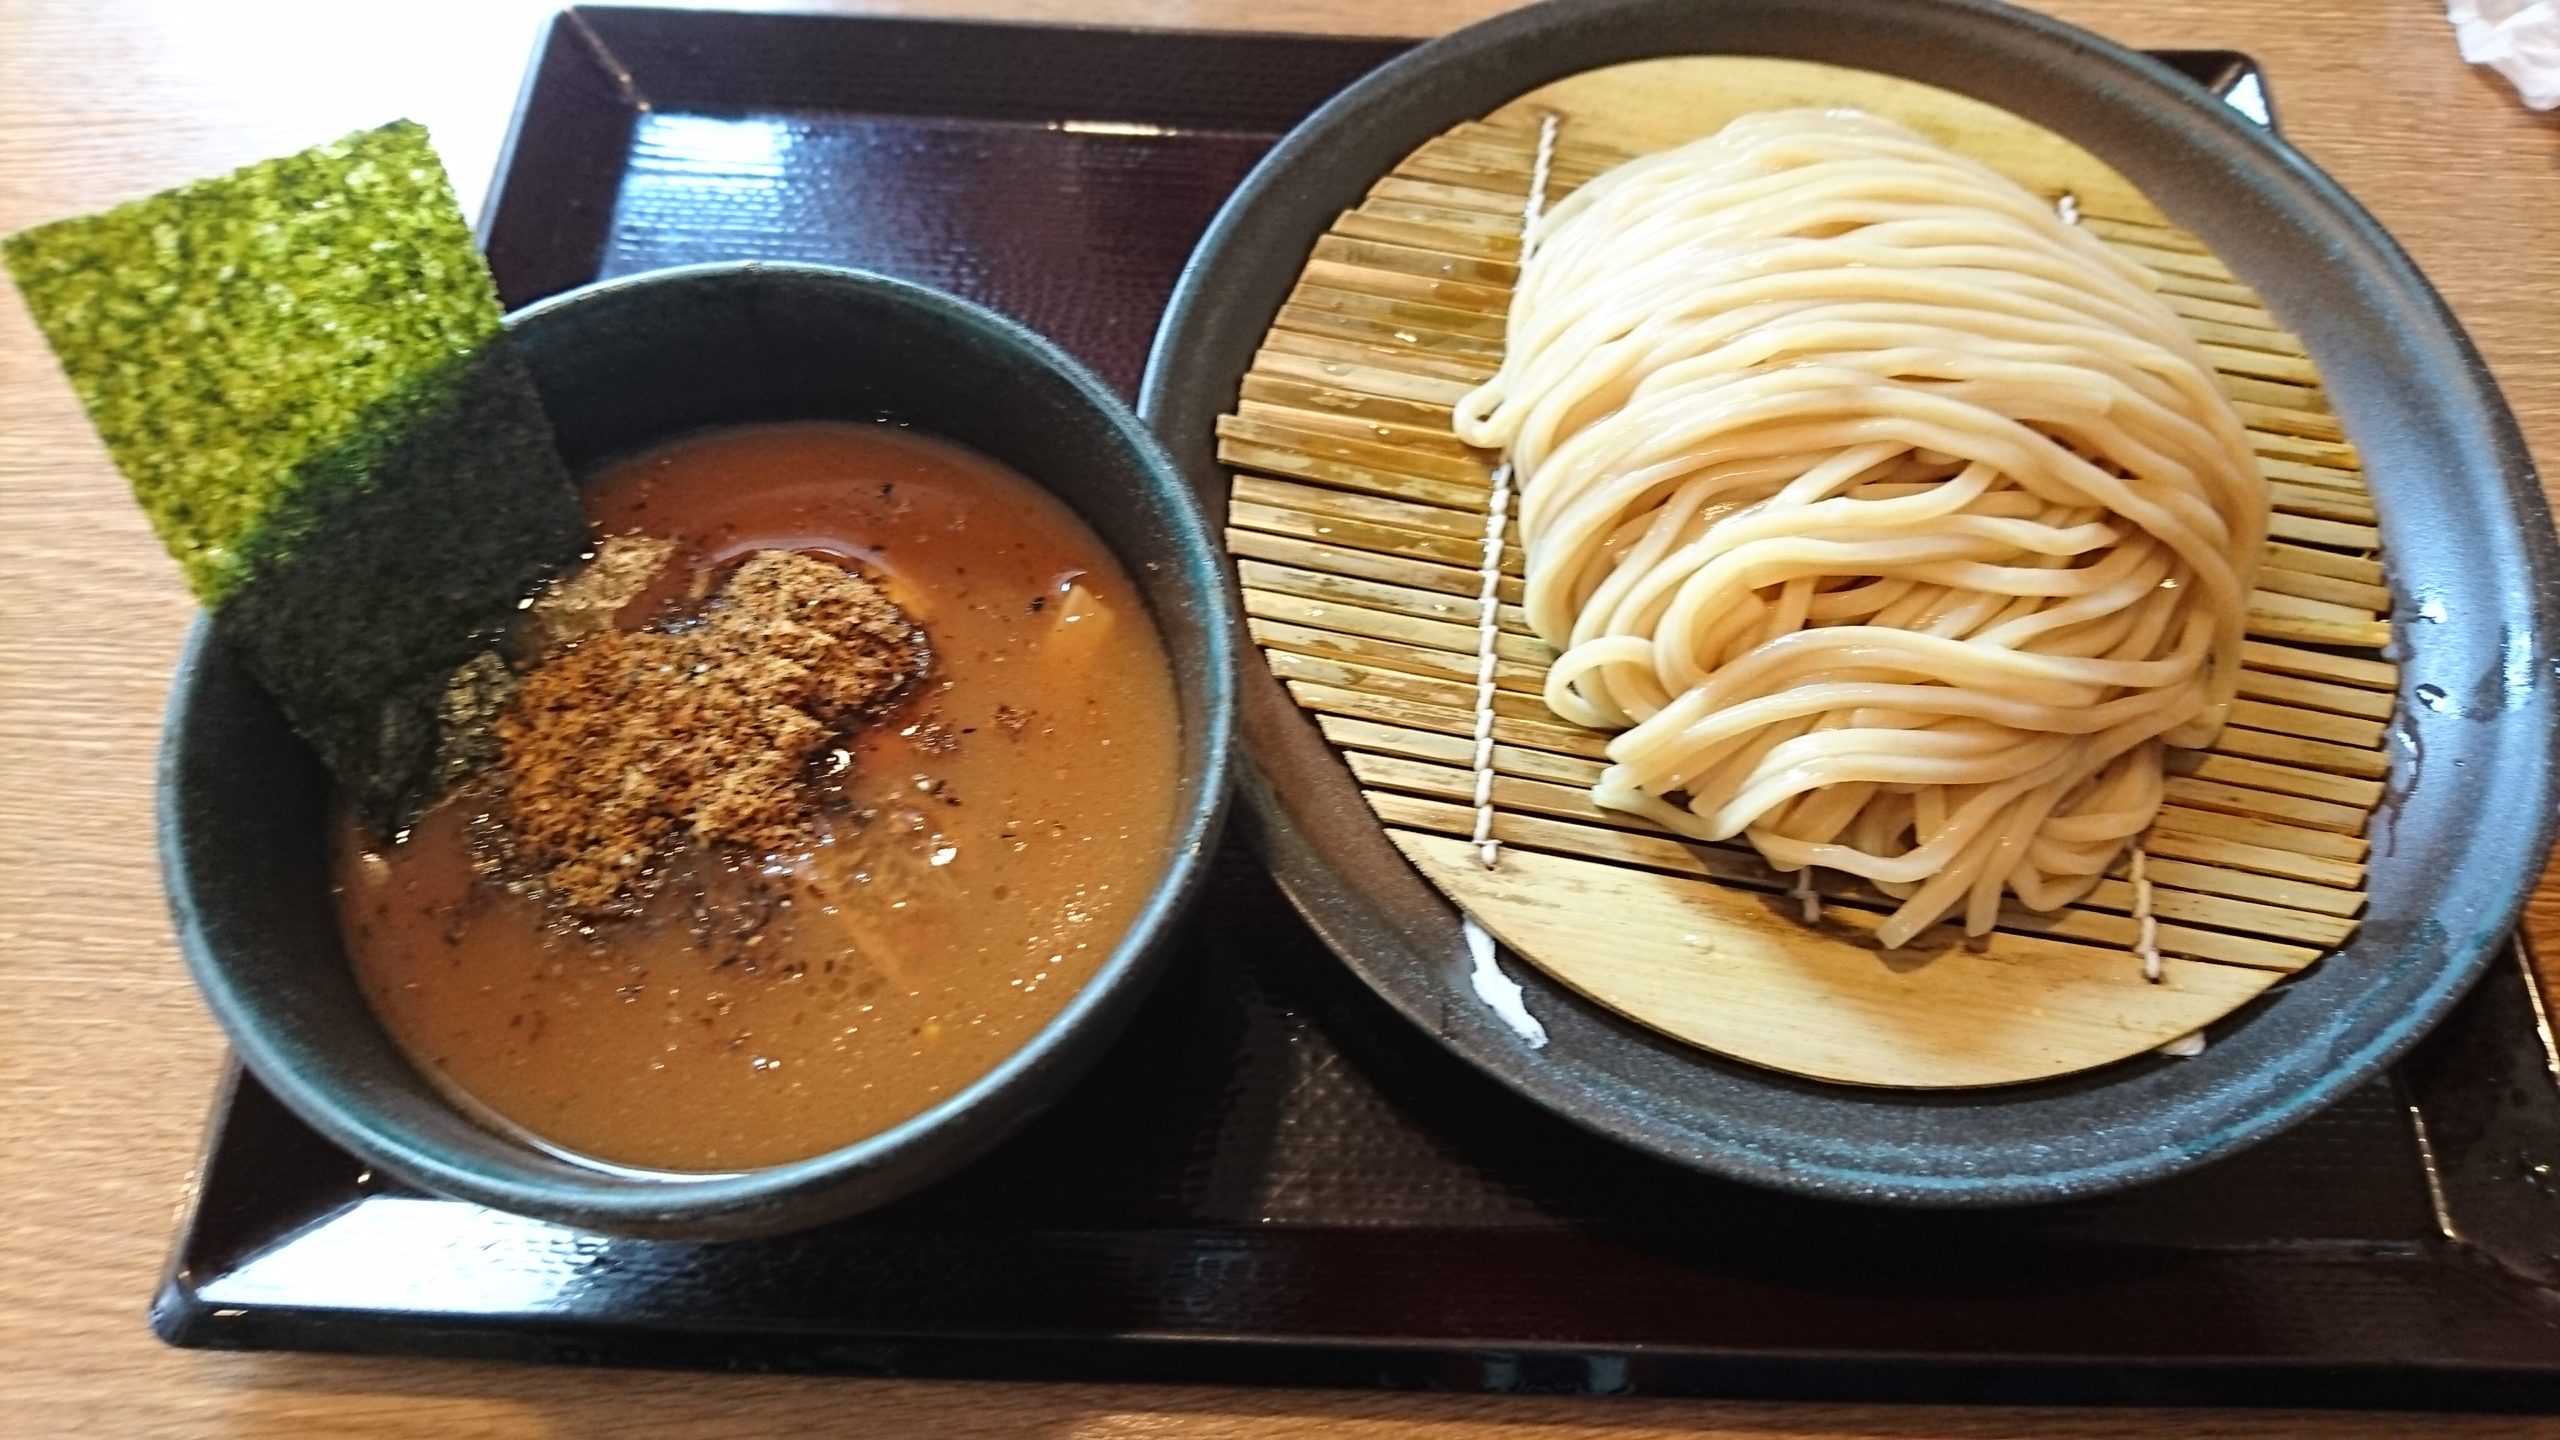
(975, 854)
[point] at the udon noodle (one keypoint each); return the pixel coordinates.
(1897, 524)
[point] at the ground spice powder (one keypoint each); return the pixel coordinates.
(630, 743)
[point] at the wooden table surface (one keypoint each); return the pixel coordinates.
(106, 1060)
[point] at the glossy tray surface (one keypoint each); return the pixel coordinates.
(1274, 1178)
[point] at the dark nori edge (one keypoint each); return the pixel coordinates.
(464, 508)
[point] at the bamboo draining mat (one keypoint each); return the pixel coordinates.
(1357, 522)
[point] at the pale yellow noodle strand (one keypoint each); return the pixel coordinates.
(1897, 524)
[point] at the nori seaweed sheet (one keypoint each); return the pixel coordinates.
(301, 368)
(396, 582)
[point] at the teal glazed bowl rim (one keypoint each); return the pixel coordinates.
(243, 805)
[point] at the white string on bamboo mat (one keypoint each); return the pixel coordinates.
(1499, 991)
(1488, 631)
(1497, 520)
(2146, 935)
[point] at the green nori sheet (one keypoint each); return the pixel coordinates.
(396, 582)
(301, 369)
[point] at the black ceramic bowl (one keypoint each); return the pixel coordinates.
(2465, 530)
(244, 805)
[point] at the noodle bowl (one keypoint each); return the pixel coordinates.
(1896, 523)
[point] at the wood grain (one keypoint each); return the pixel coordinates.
(106, 1061)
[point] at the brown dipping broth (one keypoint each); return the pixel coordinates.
(986, 845)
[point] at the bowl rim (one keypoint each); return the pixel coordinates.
(1297, 187)
(610, 1197)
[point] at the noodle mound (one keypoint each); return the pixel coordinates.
(1898, 524)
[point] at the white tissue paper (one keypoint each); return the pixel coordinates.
(2519, 39)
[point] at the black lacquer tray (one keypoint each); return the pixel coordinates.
(1273, 1178)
